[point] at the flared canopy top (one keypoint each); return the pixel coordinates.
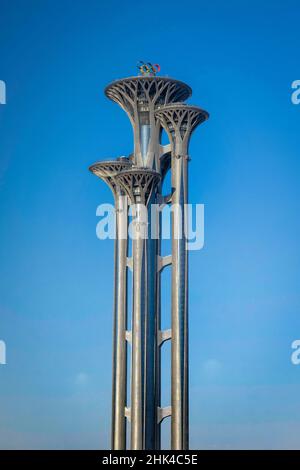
(158, 90)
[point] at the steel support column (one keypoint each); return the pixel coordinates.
(106, 170)
(120, 354)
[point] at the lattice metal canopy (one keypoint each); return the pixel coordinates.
(180, 118)
(152, 103)
(165, 164)
(127, 92)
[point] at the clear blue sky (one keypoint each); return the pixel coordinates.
(56, 277)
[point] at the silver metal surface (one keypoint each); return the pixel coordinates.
(152, 104)
(179, 120)
(106, 171)
(139, 185)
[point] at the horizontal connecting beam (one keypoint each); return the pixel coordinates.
(128, 336)
(163, 200)
(164, 149)
(162, 262)
(162, 413)
(128, 413)
(162, 336)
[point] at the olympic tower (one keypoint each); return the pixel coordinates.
(152, 103)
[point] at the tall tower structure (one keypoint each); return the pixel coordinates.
(152, 104)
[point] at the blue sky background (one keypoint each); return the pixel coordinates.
(56, 277)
